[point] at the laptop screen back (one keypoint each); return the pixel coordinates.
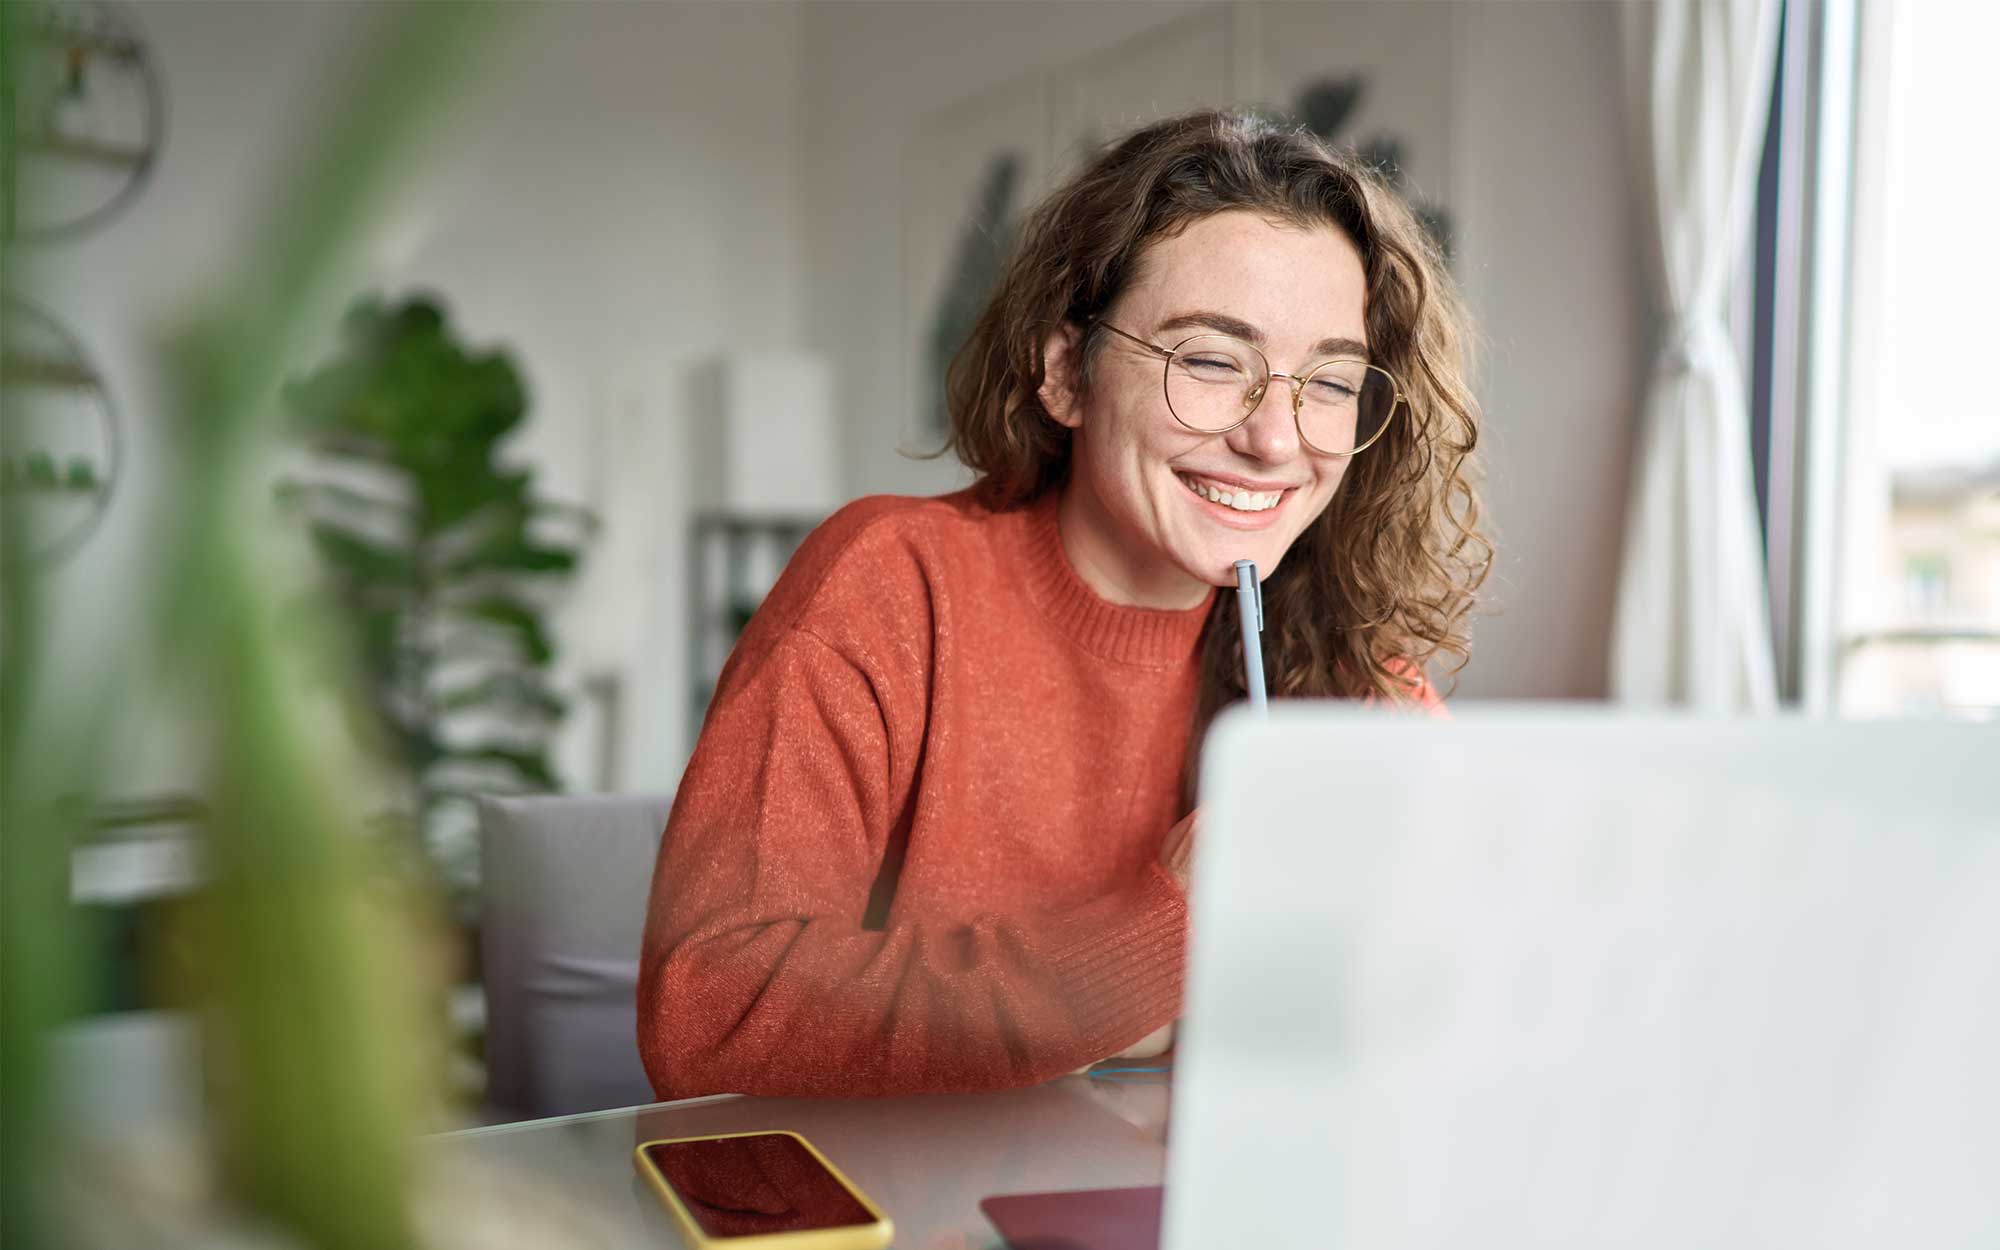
(1559, 977)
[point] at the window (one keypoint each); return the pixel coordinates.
(1908, 521)
(1924, 582)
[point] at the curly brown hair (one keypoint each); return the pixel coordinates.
(1383, 581)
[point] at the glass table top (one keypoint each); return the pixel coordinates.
(927, 1160)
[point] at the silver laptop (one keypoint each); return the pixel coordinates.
(1558, 977)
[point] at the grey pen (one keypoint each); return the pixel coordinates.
(1250, 611)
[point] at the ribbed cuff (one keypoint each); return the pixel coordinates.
(1122, 963)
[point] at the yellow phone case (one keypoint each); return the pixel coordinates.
(874, 1236)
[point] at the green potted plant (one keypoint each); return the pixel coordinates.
(441, 553)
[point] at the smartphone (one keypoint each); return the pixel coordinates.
(759, 1191)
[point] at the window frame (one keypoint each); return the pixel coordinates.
(1799, 273)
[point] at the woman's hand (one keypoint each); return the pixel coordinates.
(1151, 1046)
(1178, 849)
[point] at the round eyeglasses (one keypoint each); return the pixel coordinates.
(1215, 381)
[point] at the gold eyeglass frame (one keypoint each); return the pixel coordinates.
(1298, 387)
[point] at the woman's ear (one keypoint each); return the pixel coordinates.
(1060, 361)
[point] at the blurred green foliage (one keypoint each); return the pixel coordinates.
(37, 470)
(321, 1042)
(439, 552)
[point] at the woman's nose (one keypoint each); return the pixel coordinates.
(1270, 434)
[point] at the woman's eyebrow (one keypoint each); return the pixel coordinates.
(1222, 323)
(1236, 327)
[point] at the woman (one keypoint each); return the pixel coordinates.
(935, 834)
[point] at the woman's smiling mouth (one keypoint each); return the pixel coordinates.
(1230, 495)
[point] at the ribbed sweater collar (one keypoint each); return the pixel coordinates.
(1148, 636)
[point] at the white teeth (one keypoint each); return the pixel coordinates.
(1242, 501)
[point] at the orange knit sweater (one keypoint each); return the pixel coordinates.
(915, 847)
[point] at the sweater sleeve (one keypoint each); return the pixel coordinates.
(757, 975)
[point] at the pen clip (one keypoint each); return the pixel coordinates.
(1248, 583)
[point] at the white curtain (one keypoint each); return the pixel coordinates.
(1692, 626)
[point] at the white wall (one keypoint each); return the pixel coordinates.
(622, 200)
(240, 84)
(1533, 167)
(1552, 261)
(877, 71)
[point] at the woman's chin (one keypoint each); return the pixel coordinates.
(1218, 568)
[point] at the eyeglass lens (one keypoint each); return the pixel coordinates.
(1214, 381)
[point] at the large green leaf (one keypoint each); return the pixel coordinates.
(404, 379)
(521, 691)
(511, 616)
(512, 553)
(334, 501)
(364, 560)
(452, 497)
(530, 767)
